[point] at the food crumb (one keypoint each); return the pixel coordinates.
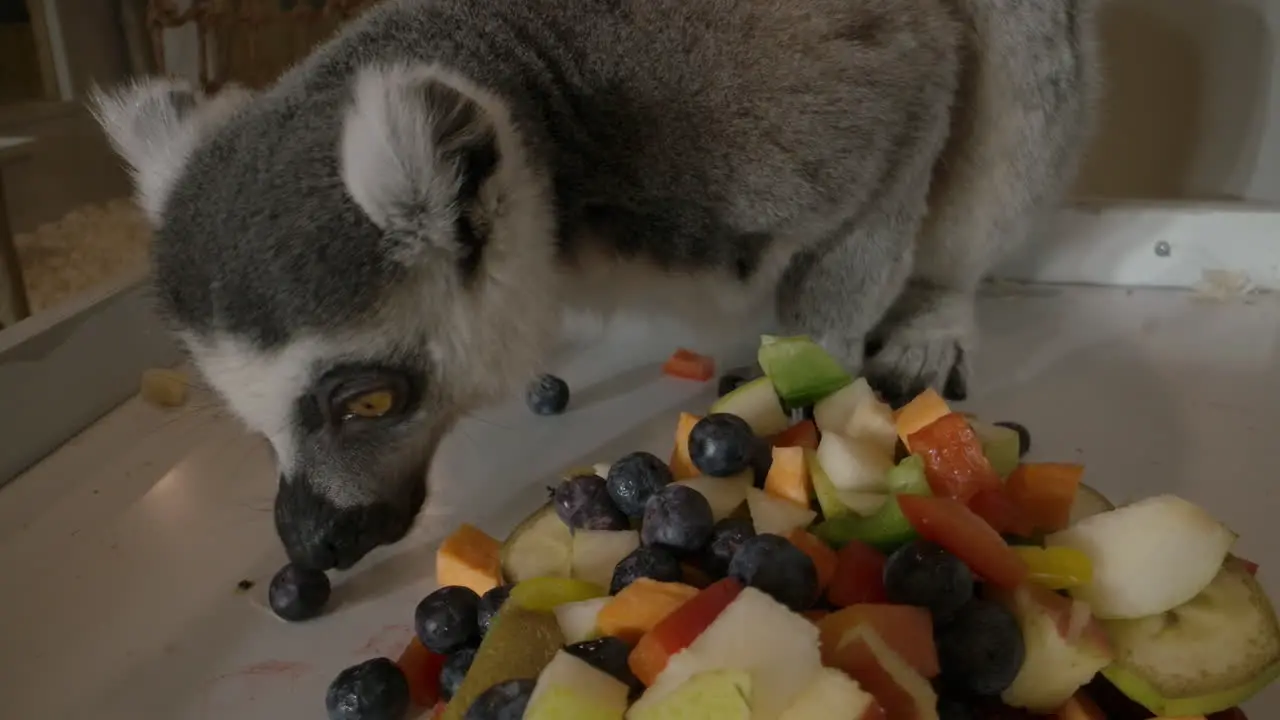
(244, 585)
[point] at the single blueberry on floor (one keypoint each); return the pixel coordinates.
(454, 670)
(583, 503)
(678, 518)
(373, 690)
(771, 564)
(447, 619)
(504, 701)
(297, 593)
(634, 478)
(654, 563)
(547, 395)
(923, 574)
(721, 445)
(981, 649)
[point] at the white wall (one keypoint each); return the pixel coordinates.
(1193, 103)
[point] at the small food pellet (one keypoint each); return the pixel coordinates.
(164, 387)
(547, 395)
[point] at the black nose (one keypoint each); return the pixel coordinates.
(317, 534)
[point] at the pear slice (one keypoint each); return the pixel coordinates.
(519, 644)
(541, 546)
(1207, 655)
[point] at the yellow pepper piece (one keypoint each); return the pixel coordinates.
(1056, 568)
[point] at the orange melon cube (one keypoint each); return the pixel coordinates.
(470, 558)
(640, 606)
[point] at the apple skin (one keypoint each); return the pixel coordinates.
(1062, 654)
(907, 630)
(1142, 692)
(1148, 557)
(901, 691)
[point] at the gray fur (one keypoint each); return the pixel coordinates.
(433, 188)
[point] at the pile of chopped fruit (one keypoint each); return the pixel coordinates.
(808, 553)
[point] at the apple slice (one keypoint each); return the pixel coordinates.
(570, 688)
(718, 694)
(541, 546)
(757, 403)
(677, 631)
(724, 495)
(1207, 655)
(902, 692)
(832, 695)
(597, 552)
(1065, 647)
(754, 633)
(832, 413)
(852, 464)
(872, 422)
(775, 515)
(578, 620)
(1148, 557)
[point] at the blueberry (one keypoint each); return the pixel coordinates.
(721, 444)
(583, 503)
(954, 708)
(645, 562)
(297, 593)
(1024, 435)
(727, 537)
(679, 518)
(547, 395)
(490, 603)
(634, 478)
(923, 574)
(446, 619)
(609, 654)
(761, 462)
(728, 383)
(454, 670)
(504, 701)
(771, 564)
(373, 690)
(981, 649)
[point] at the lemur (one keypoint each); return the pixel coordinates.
(391, 234)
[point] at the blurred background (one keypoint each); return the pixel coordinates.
(1191, 113)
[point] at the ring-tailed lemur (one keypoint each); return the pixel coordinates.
(389, 235)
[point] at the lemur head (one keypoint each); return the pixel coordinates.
(352, 268)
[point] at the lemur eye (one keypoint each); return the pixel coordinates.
(366, 394)
(373, 404)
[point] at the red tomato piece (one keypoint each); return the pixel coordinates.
(859, 576)
(954, 463)
(421, 668)
(678, 630)
(955, 527)
(1001, 513)
(1045, 492)
(803, 434)
(689, 365)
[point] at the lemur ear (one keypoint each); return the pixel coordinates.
(416, 150)
(154, 124)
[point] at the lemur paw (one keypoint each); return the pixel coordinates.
(926, 341)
